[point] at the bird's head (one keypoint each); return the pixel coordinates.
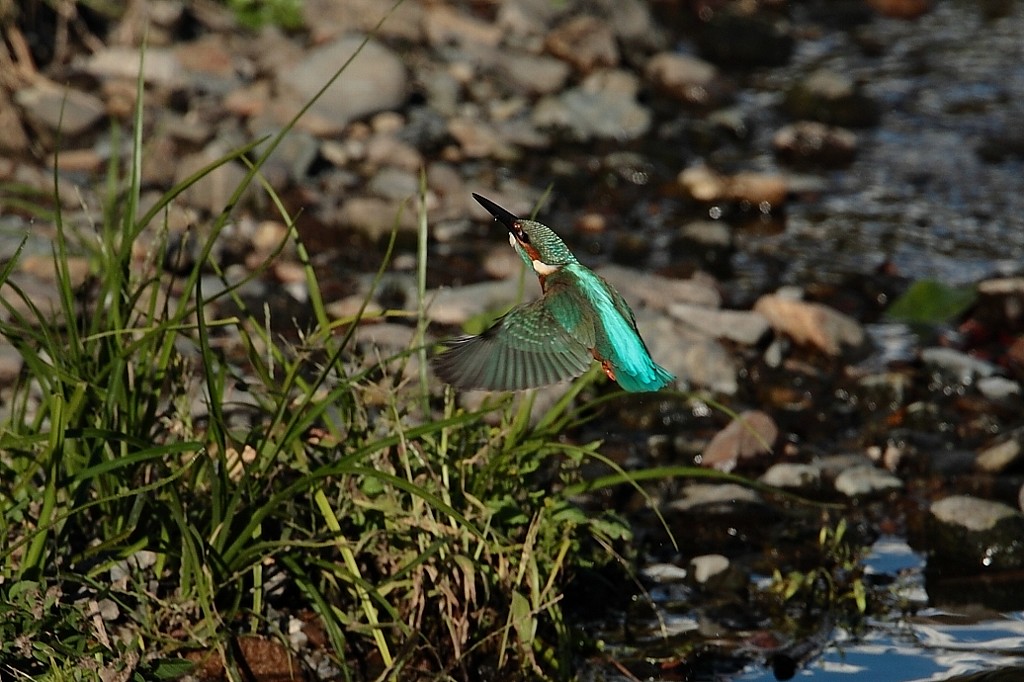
(537, 244)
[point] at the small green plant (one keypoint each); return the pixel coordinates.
(836, 583)
(286, 14)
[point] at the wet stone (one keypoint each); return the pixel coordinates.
(707, 566)
(971, 535)
(688, 79)
(864, 480)
(1001, 456)
(810, 143)
(998, 388)
(792, 475)
(831, 98)
(957, 364)
(603, 106)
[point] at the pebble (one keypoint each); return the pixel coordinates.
(811, 323)
(862, 480)
(454, 306)
(212, 193)
(63, 109)
(585, 42)
(706, 185)
(688, 79)
(161, 65)
(970, 535)
(957, 364)
(707, 566)
(709, 494)
(832, 98)
(375, 80)
(374, 216)
(743, 327)
(444, 26)
(657, 292)
(532, 74)
(811, 143)
(603, 106)
(999, 457)
(792, 475)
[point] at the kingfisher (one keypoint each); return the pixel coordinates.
(578, 319)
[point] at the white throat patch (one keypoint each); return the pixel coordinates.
(543, 268)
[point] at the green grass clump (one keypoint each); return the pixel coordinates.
(316, 484)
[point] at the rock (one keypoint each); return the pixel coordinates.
(655, 291)
(832, 98)
(291, 159)
(13, 138)
(792, 475)
(714, 495)
(692, 358)
(998, 388)
(998, 458)
(707, 566)
(862, 480)
(603, 106)
(161, 65)
(970, 535)
(375, 80)
(688, 79)
(664, 573)
(585, 42)
(532, 74)
(706, 185)
(394, 183)
(478, 139)
(212, 193)
(811, 323)
(740, 326)
(56, 108)
(10, 362)
(454, 306)
(445, 26)
(750, 434)
(375, 217)
(957, 364)
(814, 144)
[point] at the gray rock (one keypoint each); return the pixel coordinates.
(971, 535)
(160, 67)
(656, 292)
(998, 388)
(10, 361)
(864, 480)
(532, 74)
(708, 494)
(394, 183)
(832, 98)
(454, 306)
(1001, 456)
(708, 566)
(959, 365)
(792, 475)
(810, 143)
(212, 193)
(375, 80)
(740, 326)
(603, 106)
(374, 216)
(688, 79)
(70, 111)
(291, 159)
(692, 358)
(664, 573)
(584, 41)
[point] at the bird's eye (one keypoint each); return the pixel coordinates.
(521, 234)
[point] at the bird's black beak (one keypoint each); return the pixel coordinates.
(501, 215)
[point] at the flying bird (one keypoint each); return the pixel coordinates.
(578, 318)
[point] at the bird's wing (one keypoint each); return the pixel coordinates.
(526, 348)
